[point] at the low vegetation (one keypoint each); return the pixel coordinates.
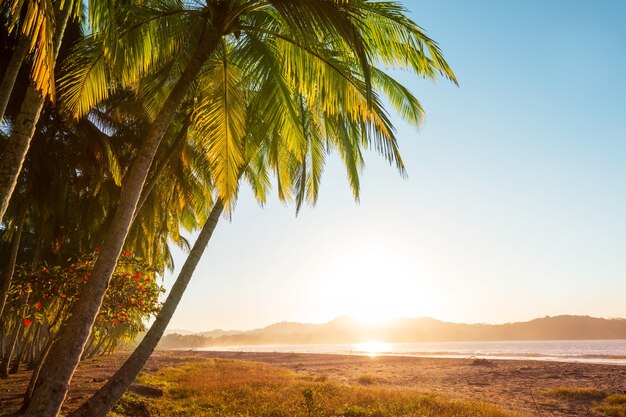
(368, 379)
(235, 388)
(577, 393)
(613, 405)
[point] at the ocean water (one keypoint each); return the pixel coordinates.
(591, 351)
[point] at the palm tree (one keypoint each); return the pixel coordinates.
(263, 151)
(41, 26)
(65, 178)
(324, 43)
(23, 129)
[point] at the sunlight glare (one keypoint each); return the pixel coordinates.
(374, 286)
(372, 349)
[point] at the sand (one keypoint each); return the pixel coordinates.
(519, 385)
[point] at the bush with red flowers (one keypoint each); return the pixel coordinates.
(41, 299)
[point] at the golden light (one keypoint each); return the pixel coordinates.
(374, 286)
(372, 348)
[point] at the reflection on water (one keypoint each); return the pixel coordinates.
(372, 348)
(591, 351)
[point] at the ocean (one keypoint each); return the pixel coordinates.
(590, 351)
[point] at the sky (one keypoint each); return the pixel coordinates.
(514, 206)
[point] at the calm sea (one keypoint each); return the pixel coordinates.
(592, 351)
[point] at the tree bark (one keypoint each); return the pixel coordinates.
(58, 369)
(15, 367)
(35, 375)
(10, 75)
(6, 362)
(160, 167)
(15, 150)
(15, 246)
(101, 403)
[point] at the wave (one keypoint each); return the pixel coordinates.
(506, 354)
(590, 351)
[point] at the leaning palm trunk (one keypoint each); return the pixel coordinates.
(10, 268)
(10, 75)
(161, 166)
(15, 150)
(23, 129)
(103, 401)
(6, 362)
(59, 367)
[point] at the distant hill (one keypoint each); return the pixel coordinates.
(347, 330)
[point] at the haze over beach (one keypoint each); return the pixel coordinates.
(512, 209)
(312, 208)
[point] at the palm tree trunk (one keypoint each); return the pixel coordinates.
(42, 358)
(10, 75)
(6, 362)
(15, 150)
(15, 246)
(103, 401)
(56, 373)
(35, 375)
(37, 253)
(160, 167)
(15, 367)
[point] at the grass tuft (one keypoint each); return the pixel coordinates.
(614, 405)
(619, 399)
(368, 379)
(583, 394)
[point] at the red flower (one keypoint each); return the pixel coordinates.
(38, 305)
(127, 254)
(136, 276)
(27, 322)
(63, 295)
(147, 279)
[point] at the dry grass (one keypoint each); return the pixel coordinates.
(614, 405)
(368, 379)
(583, 394)
(224, 388)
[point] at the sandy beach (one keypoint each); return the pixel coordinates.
(520, 386)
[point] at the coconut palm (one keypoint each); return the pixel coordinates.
(299, 176)
(39, 27)
(23, 129)
(35, 28)
(326, 45)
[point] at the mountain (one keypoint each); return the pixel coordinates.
(183, 332)
(345, 329)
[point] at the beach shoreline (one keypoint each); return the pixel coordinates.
(518, 385)
(618, 360)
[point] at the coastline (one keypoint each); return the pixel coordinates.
(408, 350)
(517, 385)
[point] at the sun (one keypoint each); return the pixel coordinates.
(374, 287)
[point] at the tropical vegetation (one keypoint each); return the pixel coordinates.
(156, 114)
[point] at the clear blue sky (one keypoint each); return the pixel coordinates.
(515, 205)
